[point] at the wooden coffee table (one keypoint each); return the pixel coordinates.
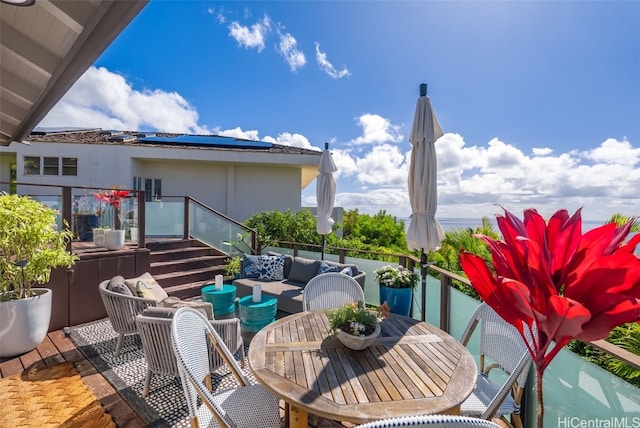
(413, 367)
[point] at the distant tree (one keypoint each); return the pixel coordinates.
(381, 229)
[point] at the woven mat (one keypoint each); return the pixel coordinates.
(165, 406)
(53, 396)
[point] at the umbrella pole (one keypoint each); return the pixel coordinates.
(423, 274)
(322, 248)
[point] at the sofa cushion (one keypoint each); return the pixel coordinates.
(288, 260)
(146, 286)
(250, 266)
(302, 270)
(168, 312)
(325, 268)
(173, 303)
(118, 285)
(344, 268)
(272, 268)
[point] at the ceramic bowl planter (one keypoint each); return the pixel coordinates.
(114, 239)
(357, 343)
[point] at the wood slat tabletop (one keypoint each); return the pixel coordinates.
(411, 368)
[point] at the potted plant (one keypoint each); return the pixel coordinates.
(396, 287)
(113, 237)
(30, 247)
(232, 268)
(356, 325)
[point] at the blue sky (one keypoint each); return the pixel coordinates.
(539, 100)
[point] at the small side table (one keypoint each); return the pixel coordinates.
(223, 301)
(255, 315)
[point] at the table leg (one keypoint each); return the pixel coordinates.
(298, 418)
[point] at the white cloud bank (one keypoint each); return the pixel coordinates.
(372, 168)
(327, 67)
(103, 99)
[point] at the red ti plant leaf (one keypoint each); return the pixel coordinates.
(550, 278)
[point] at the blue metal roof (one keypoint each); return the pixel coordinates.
(208, 141)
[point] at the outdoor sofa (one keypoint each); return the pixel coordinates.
(284, 276)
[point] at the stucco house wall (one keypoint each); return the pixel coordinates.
(235, 182)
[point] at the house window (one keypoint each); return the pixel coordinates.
(152, 188)
(50, 166)
(70, 166)
(31, 165)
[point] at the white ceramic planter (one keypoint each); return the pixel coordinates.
(114, 239)
(98, 237)
(24, 323)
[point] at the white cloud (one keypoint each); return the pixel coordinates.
(237, 132)
(377, 130)
(103, 99)
(293, 140)
(327, 67)
(543, 151)
(288, 48)
(251, 37)
(615, 152)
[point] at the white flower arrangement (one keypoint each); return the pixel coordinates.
(396, 277)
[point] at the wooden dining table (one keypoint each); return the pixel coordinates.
(411, 368)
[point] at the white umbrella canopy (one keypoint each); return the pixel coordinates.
(325, 194)
(424, 233)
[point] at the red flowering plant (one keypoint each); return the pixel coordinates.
(113, 198)
(554, 283)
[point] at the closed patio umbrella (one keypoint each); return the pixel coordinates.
(325, 193)
(424, 233)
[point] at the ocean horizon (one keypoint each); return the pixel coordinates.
(450, 223)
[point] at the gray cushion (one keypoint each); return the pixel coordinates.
(302, 270)
(118, 285)
(159, 312)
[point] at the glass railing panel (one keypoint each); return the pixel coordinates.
(164, 219)
(217, 231)
(579, 393)
(55, 202)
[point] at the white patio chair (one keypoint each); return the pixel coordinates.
(330, 290)
(154, 326)
(246, 405)
(443, 421)
(500, 343)
(122, 310)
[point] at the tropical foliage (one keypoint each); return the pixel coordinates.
(356, 318)
(554, 283)
(396, 277)
(30, 245)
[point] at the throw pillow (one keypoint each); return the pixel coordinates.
(325, 268)
(250, 266)
(145, 286)
(302, 270)
(118, 285)
(272, 268)
(347, 271)
(288, 260)
(205, 307)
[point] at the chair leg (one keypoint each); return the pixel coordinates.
(516, 421)
(242, 356)
(147, 382)
(119, 344)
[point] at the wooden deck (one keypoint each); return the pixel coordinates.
(58, 348)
